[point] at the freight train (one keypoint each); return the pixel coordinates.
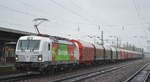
(40, 52)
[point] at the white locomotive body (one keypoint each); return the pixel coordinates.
(42, 53)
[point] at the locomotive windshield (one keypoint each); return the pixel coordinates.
(28, 44)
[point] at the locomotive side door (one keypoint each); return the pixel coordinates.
(49, 52)
(46, 51)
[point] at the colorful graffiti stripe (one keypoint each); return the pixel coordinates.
(62, 52)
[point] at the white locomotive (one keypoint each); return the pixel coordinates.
(38, 52)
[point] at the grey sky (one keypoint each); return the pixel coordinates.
(127, 19)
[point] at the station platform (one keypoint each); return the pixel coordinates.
(7, 68)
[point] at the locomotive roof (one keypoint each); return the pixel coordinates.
(53, 39)
(32, 36)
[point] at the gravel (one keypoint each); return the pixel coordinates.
(115, 76)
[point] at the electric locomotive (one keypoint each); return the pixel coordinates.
(44, 53)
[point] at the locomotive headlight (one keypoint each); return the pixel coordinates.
(40, 58)
(16, 57)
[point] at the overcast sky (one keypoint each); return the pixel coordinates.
(127, 19)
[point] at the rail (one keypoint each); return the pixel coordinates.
(18, 76)
(84, 76)
(130, 79)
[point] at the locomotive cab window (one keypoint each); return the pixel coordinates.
(28, 44)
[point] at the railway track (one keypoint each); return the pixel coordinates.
(84, 76)
(141, 75)
(18, 76)
(71, 77)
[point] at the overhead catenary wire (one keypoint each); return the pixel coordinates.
(69, 10)
(35, 9)
(33, 15)
(84, 11)
(18, 11)
(43, 12)
(29, 14)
